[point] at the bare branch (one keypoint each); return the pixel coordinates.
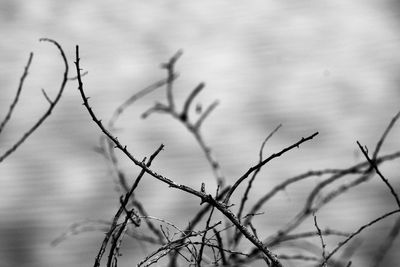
(385, 133)
(49, 109)
(344, 242)
(135, 97)
(164, 250)
(169, 66)
(47, 97)
(116, 237)
(323, 245)
(203, 240)
(262, 163)
(16, 97)
(220, 247)
(206, 198)
(207, 112)
(188, 102)
(396, 197)
(124, 202)
(260, 156)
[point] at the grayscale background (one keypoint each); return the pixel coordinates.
(330, 66)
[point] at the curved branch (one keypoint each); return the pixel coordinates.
(204, 197)
(262, 163)
(52, 104)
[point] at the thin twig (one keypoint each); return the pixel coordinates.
(386, 245)
(121, 208)
(206, 198)
(194, 221)
(135, 97)
(188, 102)
(325, 232)
(51, 107)
(81, 227)
(116, 237)
(194, 128)
(16, 97)
(260, 156)
(392, 191)
(173, 245)
(297, 257)
(47, 97)
(323, 245)
(262, 163)
(344, 242)
(385, 133)
(203, 239)
(169, 66)
(220, 247)
(205, 114)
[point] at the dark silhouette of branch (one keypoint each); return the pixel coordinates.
(246, 193)
(344, 242)
(122, 207)
(384, 135)
(262, 163)
(323, 245)
(52, 103)
(364, 169)
(189, 100)
(172, 245)
(204, 197)
(205, 114)
(16, 97)
(392, 191)
(236, 226)
(220, 247)
(113, 253)
(203, 239)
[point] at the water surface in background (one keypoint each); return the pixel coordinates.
(327, 66)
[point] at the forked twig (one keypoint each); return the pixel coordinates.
(392, 191)
(246, 193)
(262, 163)
(52, 104)
(344, 242)
(204, 197)
(124, 202)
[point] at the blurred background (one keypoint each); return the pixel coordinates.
(327, 66)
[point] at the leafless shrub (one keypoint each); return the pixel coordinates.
(214, 243)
